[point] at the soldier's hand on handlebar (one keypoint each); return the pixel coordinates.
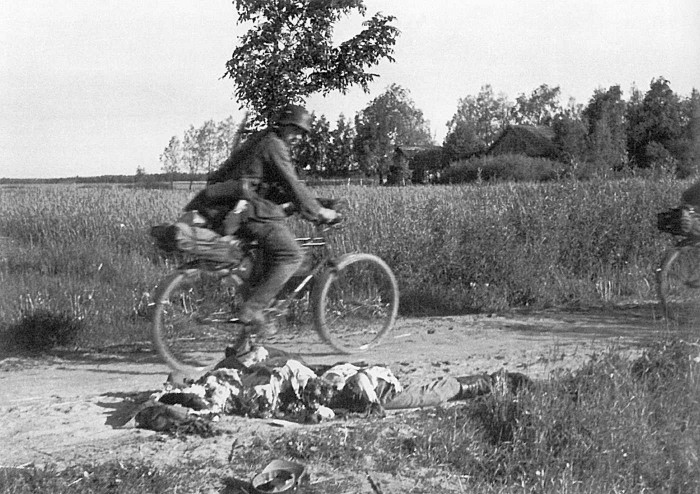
(329, 216)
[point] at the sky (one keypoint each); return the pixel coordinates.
(98, 87)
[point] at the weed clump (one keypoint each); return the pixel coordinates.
(110, 477)
(42, 330)
(614, 425)
(506, 167)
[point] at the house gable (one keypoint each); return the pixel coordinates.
(528, 140)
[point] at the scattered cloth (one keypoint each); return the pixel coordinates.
(264, 384)
(174, 419)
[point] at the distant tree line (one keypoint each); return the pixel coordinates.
(200, 150)
(656, 128)
(140, 179)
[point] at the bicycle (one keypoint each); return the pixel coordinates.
(678, 274)
(352, 301)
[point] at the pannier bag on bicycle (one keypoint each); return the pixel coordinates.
(679, 221)
(190, 235)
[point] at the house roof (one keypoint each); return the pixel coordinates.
(525, 139)
(411, 151)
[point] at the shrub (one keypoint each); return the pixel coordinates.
(612, 426)
(615, 425)
(505, 167)
(42, 330)
(633, 426)
(115, 477)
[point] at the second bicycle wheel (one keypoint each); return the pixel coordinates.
(678, 282)
(356, 303)
(192, 320)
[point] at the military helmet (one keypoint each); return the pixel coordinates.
(295, 115)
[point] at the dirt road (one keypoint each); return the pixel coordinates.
(62, 410)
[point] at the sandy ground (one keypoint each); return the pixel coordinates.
(71, 408)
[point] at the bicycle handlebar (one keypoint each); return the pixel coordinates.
(335, 204)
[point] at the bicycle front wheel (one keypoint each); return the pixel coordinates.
(356, 303)
(678, 282)
(192, 321)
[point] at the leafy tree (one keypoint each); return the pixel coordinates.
(140, 175)
(203, 148)
(476, 125)
(607, 133)
(208, 145)
(390, 120)
(171, 159)
(314, 152)
(570, 134)
(690, 115)
(228, 135)
(462, 140)
(325, 152)
(288, 52)
(341, 162)
(654, 125)
(400, 172)
(693, 126)
(539, 108)
(662, 109)
(493, 113)
(686, 149)
(191, 155)
(635, 125)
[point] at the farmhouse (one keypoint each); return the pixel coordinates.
(528, 140)
(421, 163)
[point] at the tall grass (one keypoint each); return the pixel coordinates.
(489, 247)
(81, 258)
(613, 426)
(505, 167)
(114, 477)
(82, 254)
(86, 253)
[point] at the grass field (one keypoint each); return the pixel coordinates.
(79, 262)
(84, 253)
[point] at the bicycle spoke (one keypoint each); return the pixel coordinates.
(193, 321)
(679, 285)
(356, 305)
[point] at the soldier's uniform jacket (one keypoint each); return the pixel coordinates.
(261, 172)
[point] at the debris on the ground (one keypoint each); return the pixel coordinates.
(279, 476)
(282, 387)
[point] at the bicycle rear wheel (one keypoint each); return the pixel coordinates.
(678, 283)
(356, 303)
(192, 320)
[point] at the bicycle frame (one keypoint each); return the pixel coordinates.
(309, 245)
(352, 300)
(282, 302)
(687, 242)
